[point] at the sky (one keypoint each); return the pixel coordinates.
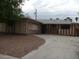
(47, 9)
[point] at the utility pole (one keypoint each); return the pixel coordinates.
(35, 14)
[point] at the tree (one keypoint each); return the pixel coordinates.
(51, 19)
(68, 18)
(10, 11)
(76, 18)
(57, 18)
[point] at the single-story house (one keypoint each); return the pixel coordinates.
(57, 27)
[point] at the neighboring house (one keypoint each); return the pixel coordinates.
(57, 27)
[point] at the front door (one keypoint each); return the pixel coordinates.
(44, 29)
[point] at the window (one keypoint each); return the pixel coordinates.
(65, 26)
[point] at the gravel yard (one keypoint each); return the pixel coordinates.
(19, 45)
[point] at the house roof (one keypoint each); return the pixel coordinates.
(55, 21)
(30, 20)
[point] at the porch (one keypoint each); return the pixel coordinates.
(59, 29)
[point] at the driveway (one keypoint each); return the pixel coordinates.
(56, 47)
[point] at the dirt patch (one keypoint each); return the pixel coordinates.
(19, 45)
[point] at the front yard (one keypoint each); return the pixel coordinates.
(19, 45)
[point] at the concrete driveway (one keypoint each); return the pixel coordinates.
(56, 47)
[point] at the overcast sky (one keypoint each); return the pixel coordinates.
(51, 8)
